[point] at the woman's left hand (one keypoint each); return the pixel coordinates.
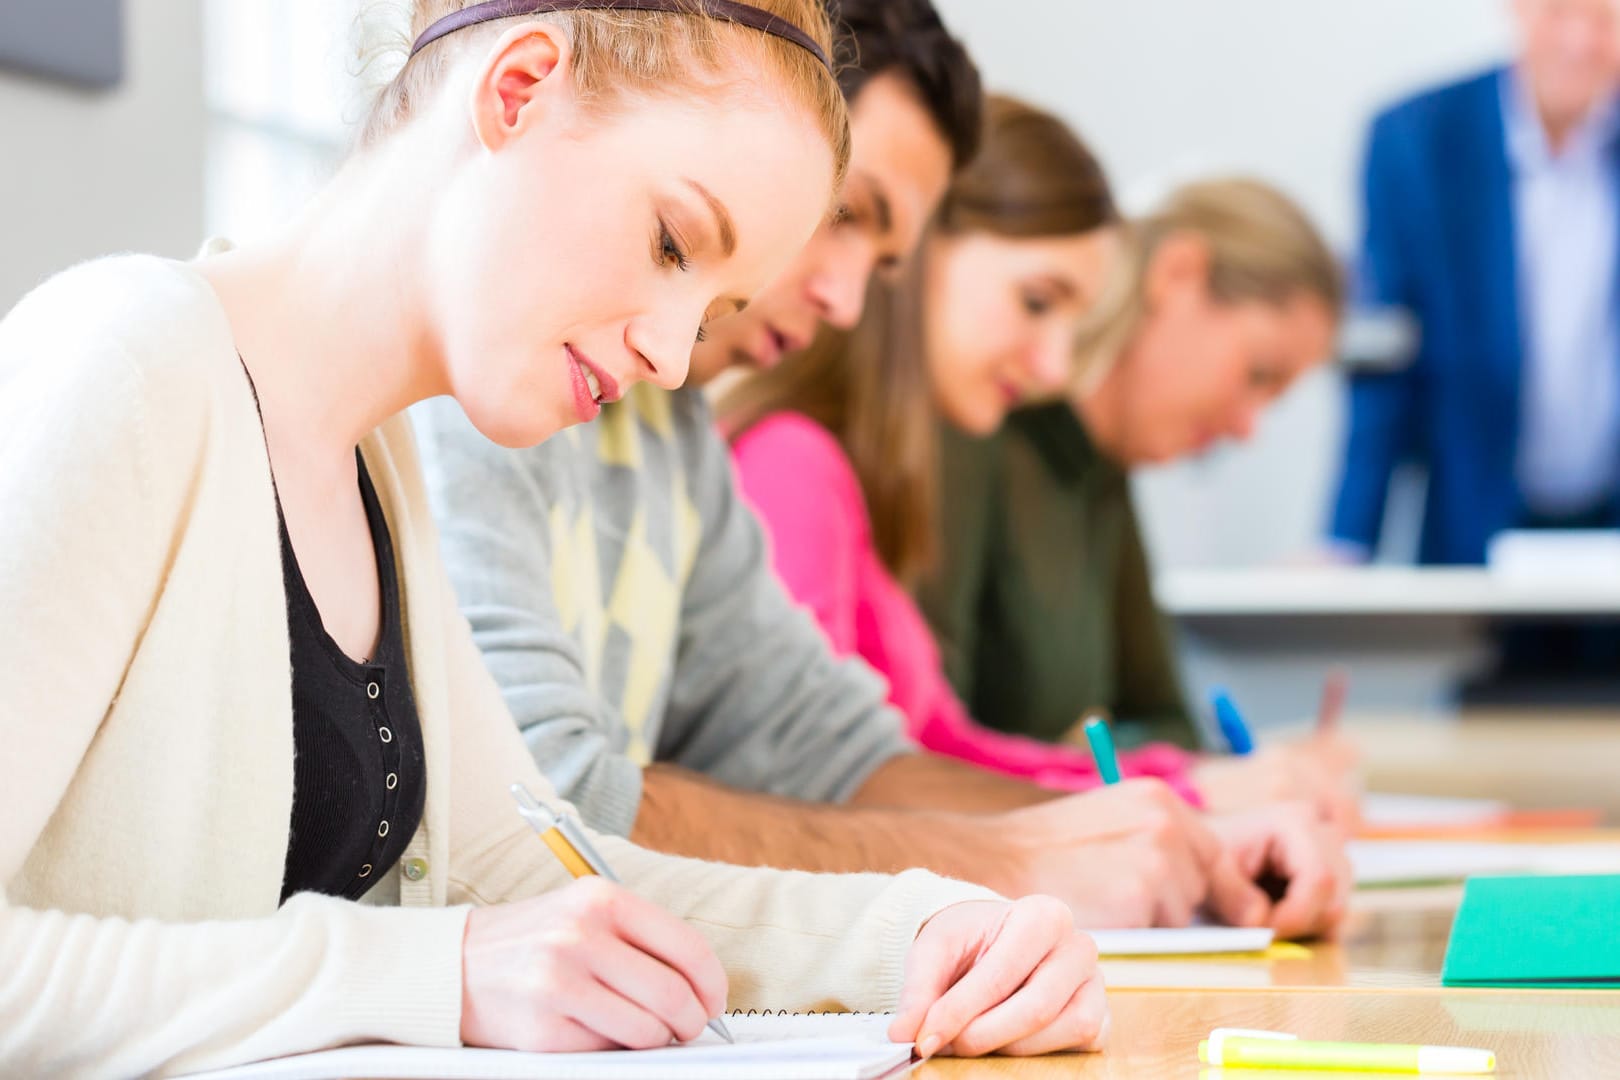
(1002, 977)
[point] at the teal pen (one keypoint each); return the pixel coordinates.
(1230, 721)
(1101, 741)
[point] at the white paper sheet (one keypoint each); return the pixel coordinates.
(1417, 862)
(1184, 941)
(814, 1047)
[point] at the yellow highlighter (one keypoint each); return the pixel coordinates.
(567, 840)
(1241, 1048)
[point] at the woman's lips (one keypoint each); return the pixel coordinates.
(588, 404)
(585, 403)
(770, 352)
(609, 385)
(776, 346)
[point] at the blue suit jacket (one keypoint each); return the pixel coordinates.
(1439, 242)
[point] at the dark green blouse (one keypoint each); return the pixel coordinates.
(1042, 602)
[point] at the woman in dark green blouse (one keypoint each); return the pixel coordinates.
(1042, 598)
(1043, 603)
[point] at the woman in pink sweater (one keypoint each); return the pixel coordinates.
(822, 545)
(848, 542)
(836, 447)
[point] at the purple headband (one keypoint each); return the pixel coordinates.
(742, 14)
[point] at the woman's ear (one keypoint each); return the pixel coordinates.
(1177, 270)
(525, 70)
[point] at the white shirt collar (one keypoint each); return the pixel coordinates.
(1527, 140)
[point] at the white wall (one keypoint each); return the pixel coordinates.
(282, 93)
(1164, 89)
(86, 173)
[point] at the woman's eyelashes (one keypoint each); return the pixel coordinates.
(1035, 304)
(670, 250)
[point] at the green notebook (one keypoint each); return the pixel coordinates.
(1554, 932)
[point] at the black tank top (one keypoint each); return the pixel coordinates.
(358, 777)
(359, 780)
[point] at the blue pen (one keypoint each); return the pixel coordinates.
(1233, 729)
(1101, 741)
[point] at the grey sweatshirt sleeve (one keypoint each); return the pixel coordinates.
(492, 508)
(759, 700)
(756, 699)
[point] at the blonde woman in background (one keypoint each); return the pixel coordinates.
(237, 697)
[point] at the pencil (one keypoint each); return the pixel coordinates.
(568, 841)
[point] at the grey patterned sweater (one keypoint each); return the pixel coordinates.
(621, 593)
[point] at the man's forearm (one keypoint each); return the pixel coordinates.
(685, 813)
(924, 781)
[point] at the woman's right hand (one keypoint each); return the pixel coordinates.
(1320, 770)
(1000, 977)
(587, 967)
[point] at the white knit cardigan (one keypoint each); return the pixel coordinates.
(146, 750)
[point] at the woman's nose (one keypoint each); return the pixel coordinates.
(662, 357)
(1049, 363)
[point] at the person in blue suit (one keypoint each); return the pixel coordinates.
(1492, 227)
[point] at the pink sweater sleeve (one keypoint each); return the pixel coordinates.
(799, 481)
(947, 729)
(795, 476)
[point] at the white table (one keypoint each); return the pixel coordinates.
(1378, 591)
(1410, 634)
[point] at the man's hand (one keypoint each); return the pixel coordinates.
(1129, 855)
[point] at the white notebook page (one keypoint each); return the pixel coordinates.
(771, 1047)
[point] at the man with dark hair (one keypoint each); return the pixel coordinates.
(667, 684)
(906, 38)
(916, 113)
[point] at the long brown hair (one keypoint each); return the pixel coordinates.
(869, 386)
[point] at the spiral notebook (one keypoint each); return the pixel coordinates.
(817, 1046)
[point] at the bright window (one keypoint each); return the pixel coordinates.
(282, 97)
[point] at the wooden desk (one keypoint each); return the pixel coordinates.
(1380, 982)
(1394, 939)
(1530, 758)
(1537, 1035)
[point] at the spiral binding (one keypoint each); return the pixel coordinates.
(813, 1012)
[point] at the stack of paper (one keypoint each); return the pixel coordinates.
(1418, 862)
(1412, 812)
